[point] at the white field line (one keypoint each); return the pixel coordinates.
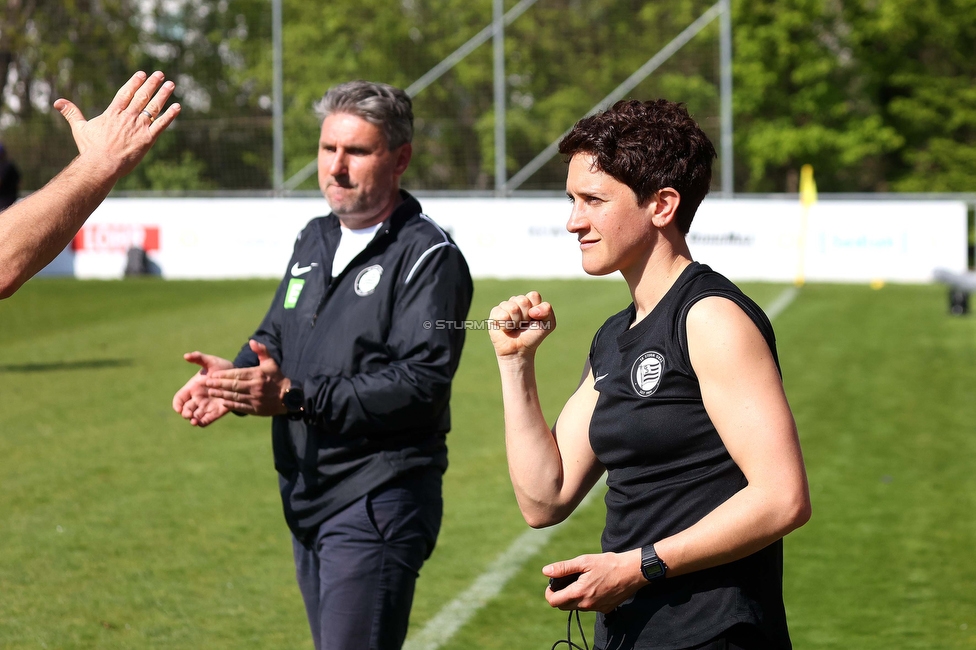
(489, 584)
(782, 301)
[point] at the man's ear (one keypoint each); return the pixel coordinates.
(664, 207)
(403, 155)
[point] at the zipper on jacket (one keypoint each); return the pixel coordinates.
(329, 288)
(334, 282)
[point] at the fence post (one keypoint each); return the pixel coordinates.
(499, 77)
(725, 83)
(277, 108)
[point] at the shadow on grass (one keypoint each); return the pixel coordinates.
(83, 364)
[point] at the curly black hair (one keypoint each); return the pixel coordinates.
(648, 146)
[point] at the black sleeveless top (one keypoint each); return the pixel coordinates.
(667, 469)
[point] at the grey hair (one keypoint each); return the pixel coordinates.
(385, 106)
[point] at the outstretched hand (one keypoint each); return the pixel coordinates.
(193, 401)
(122, 135)
(255, 391)
(519, 324)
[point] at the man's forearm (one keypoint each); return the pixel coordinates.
(389, 402)
(35, 230)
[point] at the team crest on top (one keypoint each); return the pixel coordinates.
(367, 280)
(646, 374)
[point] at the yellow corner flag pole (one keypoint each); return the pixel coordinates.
(808, 197)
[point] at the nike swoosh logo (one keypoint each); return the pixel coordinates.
(302, 270)
(600, 377)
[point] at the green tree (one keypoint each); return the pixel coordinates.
(46, 52)
(562, 57)
(876, 96)
(86, 49)
(924, 74)
(223, 134)
(393, 43)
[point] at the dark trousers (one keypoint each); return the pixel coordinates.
(358, 578)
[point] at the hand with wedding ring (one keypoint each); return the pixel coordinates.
(121, 135)
(36, 229)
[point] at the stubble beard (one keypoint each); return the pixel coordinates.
(355, 209)
(349, 202)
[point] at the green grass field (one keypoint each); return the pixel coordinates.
(123, 527)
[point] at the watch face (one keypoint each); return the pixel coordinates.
(294, 400)
(653, 570)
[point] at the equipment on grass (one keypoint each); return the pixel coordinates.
(960, 286)
(136, 262)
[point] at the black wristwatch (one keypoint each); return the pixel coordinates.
(294, 402)
(652, 567)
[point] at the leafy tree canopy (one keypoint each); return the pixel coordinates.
(876, 95)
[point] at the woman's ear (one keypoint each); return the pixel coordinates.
(664, 206)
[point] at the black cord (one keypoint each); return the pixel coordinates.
(569, 634)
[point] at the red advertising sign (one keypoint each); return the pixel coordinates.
(116, 238)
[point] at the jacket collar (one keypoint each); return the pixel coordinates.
(409, 207)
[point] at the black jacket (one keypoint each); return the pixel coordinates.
(373, 354)
(9, 184)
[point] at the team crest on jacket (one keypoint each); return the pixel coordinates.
(367, 280)
(647, 372)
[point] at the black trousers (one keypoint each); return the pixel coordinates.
(358, 577)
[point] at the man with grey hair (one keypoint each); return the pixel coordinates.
(356, 376)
